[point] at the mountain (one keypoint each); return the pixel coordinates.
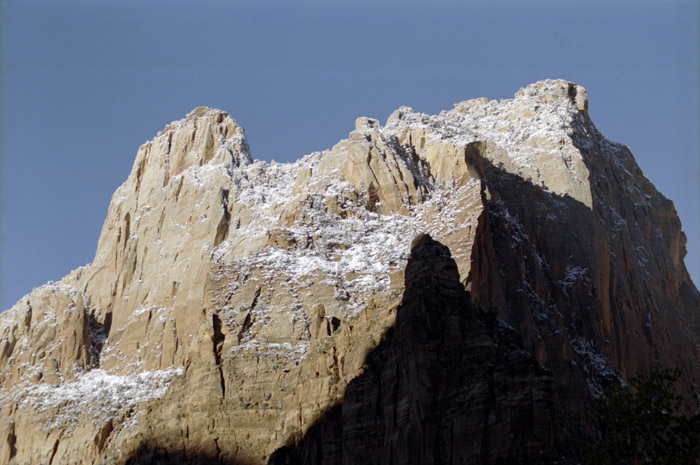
(452, 288)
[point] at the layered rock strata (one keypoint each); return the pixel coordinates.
(238, 310)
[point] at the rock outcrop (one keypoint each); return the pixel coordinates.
(244, 312)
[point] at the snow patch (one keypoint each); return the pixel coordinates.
(95, 395)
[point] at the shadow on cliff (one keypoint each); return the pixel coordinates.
(587, 281)
(526, 241)
(147, 455)
(448, 384)
(534, 261)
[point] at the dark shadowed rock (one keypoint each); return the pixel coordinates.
(448, 384)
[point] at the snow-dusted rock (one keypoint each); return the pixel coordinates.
(232, 301)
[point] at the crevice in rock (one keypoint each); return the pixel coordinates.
(166, 161)
(28, 316)
(128, 265)
(53, 452)
(127, 229)
(247, 323)
(12, 442)
(140, 169)
(194, 131)
(178, 187)
(222, 228)
(218, 345)
(333, 325)
(99, 332)
(160, 222)
(249, 319)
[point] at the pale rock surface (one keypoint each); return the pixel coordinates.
(232, 304)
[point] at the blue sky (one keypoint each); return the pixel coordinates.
(83, 84)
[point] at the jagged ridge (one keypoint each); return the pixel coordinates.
(259, 289)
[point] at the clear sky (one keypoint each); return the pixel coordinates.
(84, 83)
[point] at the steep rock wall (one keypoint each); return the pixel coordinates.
(234, 305)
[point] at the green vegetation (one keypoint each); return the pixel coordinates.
(649, 424)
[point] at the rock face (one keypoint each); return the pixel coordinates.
(447, 384)
(241, 312)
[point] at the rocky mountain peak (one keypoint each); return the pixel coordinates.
(552, 90)
(233, 305)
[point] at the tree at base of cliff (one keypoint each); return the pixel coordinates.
(652, 425)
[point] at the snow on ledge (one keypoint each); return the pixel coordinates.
(96, 395)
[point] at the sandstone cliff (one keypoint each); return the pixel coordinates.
(244, 312)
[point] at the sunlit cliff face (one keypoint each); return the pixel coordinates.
(232, 303)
